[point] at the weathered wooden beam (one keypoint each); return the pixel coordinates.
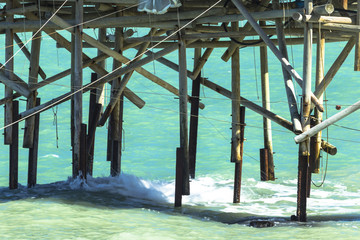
(203, 60)
(335, 67)
(327, 122)
(27, 53)
(236, 156)
(299, 17)
(33, 79)
(289, 85)
(33, 152)
(77, 84)
(238, 165)
(265, 96)
(55, 78)
(14, 148)
(15, 85)
(217, 88)
(273, 48)
(183, 117)
(357, 43)
(95, 67)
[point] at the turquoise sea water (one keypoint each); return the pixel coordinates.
(139, 203)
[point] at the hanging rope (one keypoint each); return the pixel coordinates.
(55, 123)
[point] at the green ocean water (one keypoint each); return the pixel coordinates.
(139, 203)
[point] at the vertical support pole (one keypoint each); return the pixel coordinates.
(9, 67)
(93, 118)
(83, 155)
(238, 165)
(179, 176)
(305, 118)
(77, 80)
(14, 149)
(235, 101)
(194, 118)
(33, 79)
(357, 44)
(183, 93)
(100, 91)
(33, 152)
(116, 117)
(315, 141)
(289, 85)
(265, 92)
(264, 164)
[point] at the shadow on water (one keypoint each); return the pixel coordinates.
(62, 192)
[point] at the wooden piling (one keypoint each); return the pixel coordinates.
(14, 149)
(264, 164)
(265, 95)
(304, 147)
(194, 117)
(77, 84)
(235, 102)
(357, 44)
(238, 165)
(183, 93)
(33, 79)
(33, 152)
(83, 152)
(9, 67)
(179, 176)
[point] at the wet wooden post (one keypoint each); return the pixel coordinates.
(93, 118)
(83, 152)
(33, 151)
(304, 147)
(179, 176)
(315, 141)
(236, 122)
(77, 84)
(183, 95)
(194, 117)
(9, 67)
(33, 80)
(116, 117)
(289, 85)
(238, 165)
(264, 164)
(14, 149)
(265, 94)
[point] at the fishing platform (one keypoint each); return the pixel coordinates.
(175, 25)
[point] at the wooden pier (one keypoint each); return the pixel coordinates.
(201, 25)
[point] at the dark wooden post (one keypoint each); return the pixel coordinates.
(83, 152)
(14, 149)
(9, 67)
(264, 164)
(238, 164)
(179, 177)
(77, 84)
(33, 152)
(194, 118)
(265, 93)
(184, 143)
(304, 147)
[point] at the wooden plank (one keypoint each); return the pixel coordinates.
(33, 152)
